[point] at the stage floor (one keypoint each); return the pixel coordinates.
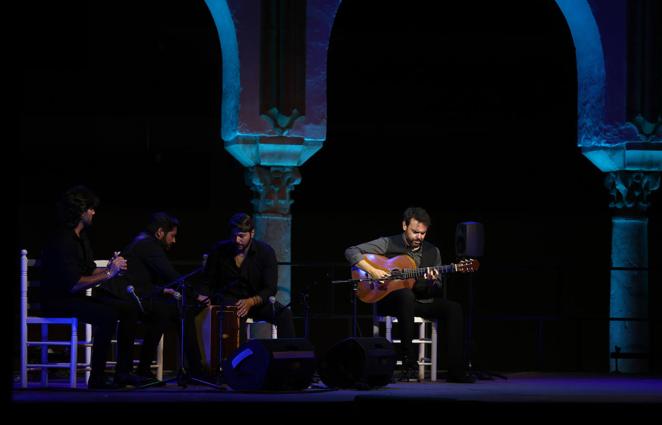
(520, 395)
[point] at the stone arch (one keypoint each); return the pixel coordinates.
(601, 96)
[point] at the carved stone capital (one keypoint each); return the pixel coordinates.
(281, 124)
(271, 188)
(631, 190)
(648, 131)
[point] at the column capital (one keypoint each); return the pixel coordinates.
(631, 190)
(271, 187)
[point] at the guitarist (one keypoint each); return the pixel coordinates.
(424, 299)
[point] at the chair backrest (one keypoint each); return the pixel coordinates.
(101, 263)
(25, 263)
(30, 280)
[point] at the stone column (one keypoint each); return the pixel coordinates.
(628, 301)
(274, 102)
(273, 221)
(619, 129)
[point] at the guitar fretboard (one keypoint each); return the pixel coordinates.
(419, 272)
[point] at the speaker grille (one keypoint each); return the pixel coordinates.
(358, 363)
(284, 364)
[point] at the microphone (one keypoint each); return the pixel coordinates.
(131, 290)
(272, 300)
(177, 296)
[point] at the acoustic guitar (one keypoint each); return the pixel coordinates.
(403, 272)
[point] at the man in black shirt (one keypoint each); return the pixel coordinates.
(149, 274)
(68, 268)
(243, 271)
(423, 299)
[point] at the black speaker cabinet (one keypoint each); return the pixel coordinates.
(271, 365)
(469, 239)
(358, 363)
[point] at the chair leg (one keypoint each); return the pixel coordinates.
(389, 328)
(433, 349)
(421, 351)
(73, 362)
(375, 328)
(159, 360)
(24, 361)
(88, 351)
(44, 356)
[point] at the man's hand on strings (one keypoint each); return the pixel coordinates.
(431, 273)
(379, 275)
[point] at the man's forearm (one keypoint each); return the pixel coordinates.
(85, 282)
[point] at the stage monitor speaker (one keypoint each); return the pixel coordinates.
(469, 239)
(358, 363)
(271, 365)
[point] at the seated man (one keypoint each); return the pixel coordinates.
(149, 274)
(242, 271)
(407, 303)
(68, 268)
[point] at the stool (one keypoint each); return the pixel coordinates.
(422, 341)
(250, 334)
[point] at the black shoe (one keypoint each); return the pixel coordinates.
(461, 379)
(408, 374)
(152, 380)
(135, 381)
(101, 382)
(408, 369)
(408, 363)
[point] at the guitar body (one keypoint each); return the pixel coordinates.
(372, 291)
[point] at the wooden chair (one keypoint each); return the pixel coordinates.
(424, 340)
(26, 319)
(253, 329)
(73, 343)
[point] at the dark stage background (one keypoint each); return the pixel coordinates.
(468, 109)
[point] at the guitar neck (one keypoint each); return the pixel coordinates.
(419, 272)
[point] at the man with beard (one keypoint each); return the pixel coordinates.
(242, 271)
(149, 275)
(68, 270)
(424, 299)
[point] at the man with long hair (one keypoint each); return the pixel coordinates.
(68, 268)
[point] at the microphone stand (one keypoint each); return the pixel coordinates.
(182, 279)
(306, 315)
(183, 378)
(469, 339)
(355, 289)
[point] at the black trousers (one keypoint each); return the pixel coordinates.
(404, 305)
(163, 313)
(103, 313)
(265, 311)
